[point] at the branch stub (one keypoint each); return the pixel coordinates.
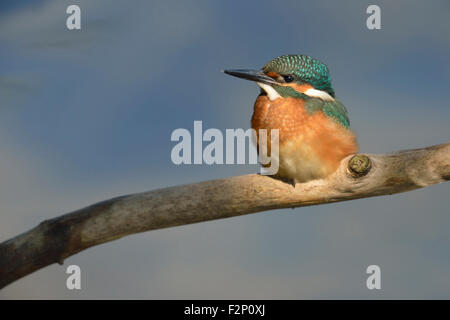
(359, 165)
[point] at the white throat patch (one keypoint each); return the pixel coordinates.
(319, 94)
(271, 92)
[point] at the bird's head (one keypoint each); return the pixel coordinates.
(291, 76)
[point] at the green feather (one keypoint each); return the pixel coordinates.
(303, 69)
(333, 109)
(286, 92)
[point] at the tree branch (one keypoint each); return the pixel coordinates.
(358, 176)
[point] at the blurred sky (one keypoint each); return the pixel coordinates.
(87, 115)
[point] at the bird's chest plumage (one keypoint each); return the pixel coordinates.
(288, 115)
(311, 146)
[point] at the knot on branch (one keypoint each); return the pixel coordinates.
(359, 165)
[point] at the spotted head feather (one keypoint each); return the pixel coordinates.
(303, 70)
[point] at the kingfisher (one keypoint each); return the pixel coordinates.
(298, 99)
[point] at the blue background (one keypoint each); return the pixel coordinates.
(87, 115)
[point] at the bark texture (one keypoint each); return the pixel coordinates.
(359, 176)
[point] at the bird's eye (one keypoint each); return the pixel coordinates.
(288, 78)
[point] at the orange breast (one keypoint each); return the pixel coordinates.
(285, 114)
(311, 145)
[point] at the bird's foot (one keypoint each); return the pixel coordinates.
(289, 181)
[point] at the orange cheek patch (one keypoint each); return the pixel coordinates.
(299, 87)
(272, 74)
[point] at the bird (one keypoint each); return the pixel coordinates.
(298, 99)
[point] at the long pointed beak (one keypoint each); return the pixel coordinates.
(253, 75)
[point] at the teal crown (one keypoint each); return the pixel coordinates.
(303, 69)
